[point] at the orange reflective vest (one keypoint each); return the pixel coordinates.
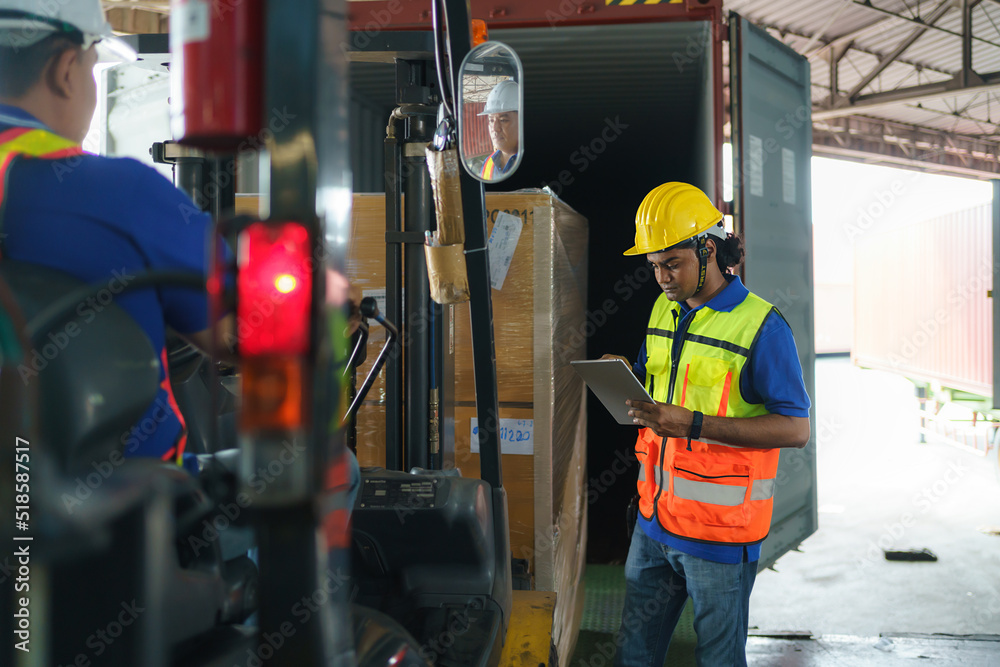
(31, 142)
(705, 490)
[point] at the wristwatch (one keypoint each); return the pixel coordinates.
(695, 431)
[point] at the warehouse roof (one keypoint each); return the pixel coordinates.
(915, 81)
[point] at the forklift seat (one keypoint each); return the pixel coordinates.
(96, 373)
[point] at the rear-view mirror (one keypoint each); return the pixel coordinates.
(490, 122)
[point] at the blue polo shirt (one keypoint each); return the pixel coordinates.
(99, 219)
(772, 376)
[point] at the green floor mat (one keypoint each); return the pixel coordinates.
(604, 587)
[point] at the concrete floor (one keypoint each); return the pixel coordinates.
(885, 651)
(879, 488)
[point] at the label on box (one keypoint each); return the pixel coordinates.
(517, 436)
(502, 244)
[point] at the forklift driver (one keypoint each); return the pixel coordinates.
(501, 108)
(96, 218)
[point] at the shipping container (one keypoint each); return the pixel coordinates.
(619, 98)
(921, 304)
(922, 309)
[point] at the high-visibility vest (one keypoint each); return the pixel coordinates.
(705, 490)
(490, 165)
(33, 142)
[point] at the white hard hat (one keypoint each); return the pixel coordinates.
(502, 98)
(26, 22)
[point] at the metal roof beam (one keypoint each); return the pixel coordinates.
(873, 140)
(844, 47)
(891, 57)
(918, 21)
(845, 38)
(927, 91)
(826, 26)
(848, 37)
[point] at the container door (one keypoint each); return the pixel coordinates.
(995, 295)
(772, 147)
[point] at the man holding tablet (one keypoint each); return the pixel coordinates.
(723, 370)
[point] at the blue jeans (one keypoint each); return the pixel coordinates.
(659, 580)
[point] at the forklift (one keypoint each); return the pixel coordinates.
(433, 589)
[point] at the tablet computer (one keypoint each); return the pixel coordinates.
(612, 381)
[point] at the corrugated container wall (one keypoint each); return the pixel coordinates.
(920, 305)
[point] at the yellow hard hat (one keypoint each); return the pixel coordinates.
(670, 214)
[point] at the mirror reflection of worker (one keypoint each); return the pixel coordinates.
(722, 368)
(501, 108)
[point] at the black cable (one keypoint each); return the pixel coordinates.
(447, 85)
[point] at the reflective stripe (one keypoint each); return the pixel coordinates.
(707, 441)
(39, 143)
(659, 332)
(724, 401)
(721, 494)
(488, 167)
(721, 344)
(642, 473)
(763, 489)
(709, 492)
